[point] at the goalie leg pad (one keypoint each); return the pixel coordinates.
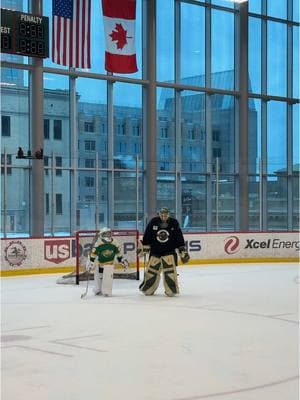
(98, 281)
(170, 275)
(151, 276)
(107, 281)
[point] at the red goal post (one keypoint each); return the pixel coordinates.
(127, 239)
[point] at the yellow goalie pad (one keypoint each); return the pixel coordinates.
(166, 266)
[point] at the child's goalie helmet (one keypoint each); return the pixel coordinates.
(105, 235)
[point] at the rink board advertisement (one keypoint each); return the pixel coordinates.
(43, 255)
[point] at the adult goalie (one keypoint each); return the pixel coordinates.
(104, 255)
(162, 237)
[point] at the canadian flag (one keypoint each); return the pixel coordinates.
(119, 31)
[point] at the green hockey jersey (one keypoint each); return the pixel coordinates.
(104, 252)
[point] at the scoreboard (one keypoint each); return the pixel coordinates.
(24, 34)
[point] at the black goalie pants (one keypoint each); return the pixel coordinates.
(155, 266)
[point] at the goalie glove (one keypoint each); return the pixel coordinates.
(142, 249)
(89, 265)
(123, 262)
(183, 254)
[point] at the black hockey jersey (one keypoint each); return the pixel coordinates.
(163, 237)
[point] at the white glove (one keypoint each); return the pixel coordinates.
(89, 265)
(123, 262)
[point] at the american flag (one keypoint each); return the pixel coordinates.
(71, 33)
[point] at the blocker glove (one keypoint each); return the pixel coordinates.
(123, 262)
(183, 254)
(142, 249)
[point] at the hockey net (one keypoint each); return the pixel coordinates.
(85, 240)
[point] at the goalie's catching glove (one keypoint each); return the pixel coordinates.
(183, 254)
(123, 262)
(89, 265)
(142, 249)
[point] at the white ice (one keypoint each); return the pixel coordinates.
(232, 334)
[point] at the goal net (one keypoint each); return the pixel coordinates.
(85, 240)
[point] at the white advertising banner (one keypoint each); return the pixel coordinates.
(25, 255)
(256, 245)
(41, 253)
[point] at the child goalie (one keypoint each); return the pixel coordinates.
(103, 257)
(162, 238)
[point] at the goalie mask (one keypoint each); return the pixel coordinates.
(164, 214)
(106, 235)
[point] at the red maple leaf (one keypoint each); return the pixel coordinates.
(119, 35)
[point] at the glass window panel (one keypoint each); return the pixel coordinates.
(223, 128)
(127, 125)
(192, 44)
(222, 49)
(86, 204)
(92, 111)
(296, 225)
(125, 190)
(296, 10)
(57, 112)
(296, 68)
(193, 136)
(15, 208)
(12, 76)
(223, 211)
(277, 59)
(277, 8)
(276, 136)
(254, 135)
(254, 157)
(92, 145)
(255, 6)
(193, 202)
(224, 3)
(296, 147)
(254, 50)
(254, 203)
(164, 41)
(166, 190)
(277, 202)
(102, 199)
(165, 130)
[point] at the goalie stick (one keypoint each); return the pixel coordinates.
(87, 281)
(83, 295)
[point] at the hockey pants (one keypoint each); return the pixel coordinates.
(104, 279)
(153, 269)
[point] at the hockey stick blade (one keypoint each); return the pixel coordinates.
(83, 295)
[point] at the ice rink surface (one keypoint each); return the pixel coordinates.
(232, 334)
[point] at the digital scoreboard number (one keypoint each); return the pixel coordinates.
(24, 34)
